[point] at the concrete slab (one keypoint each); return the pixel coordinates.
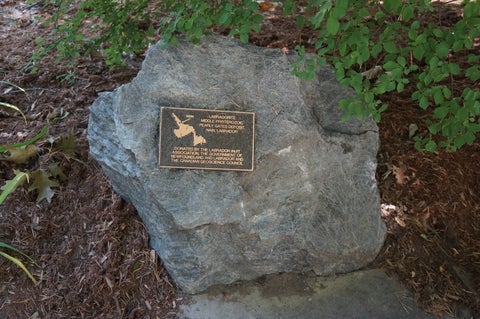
(362, 294)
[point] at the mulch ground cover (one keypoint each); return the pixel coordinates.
(92, 249)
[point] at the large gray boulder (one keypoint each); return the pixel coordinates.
(311, 204)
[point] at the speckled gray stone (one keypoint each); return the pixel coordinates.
(312, 201)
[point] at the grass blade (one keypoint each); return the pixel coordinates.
(13, 107)
(19, 264)
(5, 245)
(30, 141)
(10, 186)
(14, 85)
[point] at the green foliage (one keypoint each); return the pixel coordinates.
(125, 27)
(118, 27)
(354, 33)
(10, 186)
(193, 18)
(21, 153)
(375, 47)
(43, 180)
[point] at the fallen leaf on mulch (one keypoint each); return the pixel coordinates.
(43, 185)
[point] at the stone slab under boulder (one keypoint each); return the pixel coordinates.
(311, 203)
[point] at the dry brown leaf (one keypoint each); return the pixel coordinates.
(412, 129)
(400, 174)
(109, 282)
(373, 72)
(400, 221)
(43, 185)
(267, 6)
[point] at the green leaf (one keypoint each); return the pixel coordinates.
(340, 9)
(438, 97)
(419, 52)
(415, 25)
(5, 245)
(390, 47)
(376, 49)
(300, 22)
(257, 20)
(225, 18)
(473, 73)
(390, 65)
(12, 184)
(454, 68)
(42, 184)
(459, 141)
(437, 32)
(289, 6)
(472, 58)
(423, 102)
(446, 92)
(434, 128)
(333, 25)
(431, 146)
(440, 112)
(471, 9)
(408, 12)
(244, 37)
(442, 49)
(401, 61)
(369, 97)
(457, 45)
(416, 95)
(392, 5)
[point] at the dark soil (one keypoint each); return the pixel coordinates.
(92, 248)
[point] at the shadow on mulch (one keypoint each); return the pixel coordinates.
(431, 206)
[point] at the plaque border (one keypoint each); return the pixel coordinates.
(251, 169)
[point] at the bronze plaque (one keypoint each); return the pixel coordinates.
(206, 139)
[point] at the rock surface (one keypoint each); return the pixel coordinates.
(311, 203)
(293, 296)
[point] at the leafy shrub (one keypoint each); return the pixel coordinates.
(123, 27)
(194, 18)
(351, 34)
(127, 26)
